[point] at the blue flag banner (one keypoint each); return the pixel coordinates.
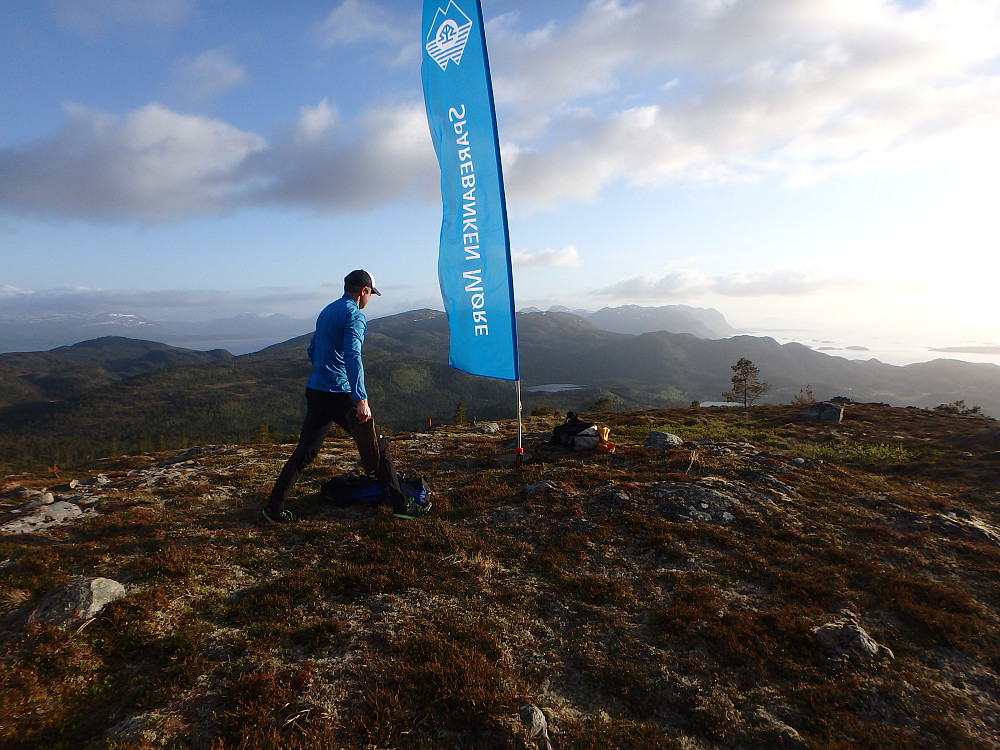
(474, 257)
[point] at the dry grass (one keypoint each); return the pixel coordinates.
(630, 626)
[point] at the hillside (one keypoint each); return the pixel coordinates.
(230, 399)
(771, 583)
(70, 371)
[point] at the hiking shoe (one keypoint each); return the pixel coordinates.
(285, 516)
(414, 510)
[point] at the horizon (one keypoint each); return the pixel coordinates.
(797, 166)
(892, 350)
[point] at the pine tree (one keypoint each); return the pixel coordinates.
(747, 386)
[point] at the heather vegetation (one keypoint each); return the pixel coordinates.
(774, 582)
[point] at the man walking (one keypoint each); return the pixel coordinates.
(335, 394)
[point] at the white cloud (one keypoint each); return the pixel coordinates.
(568, 257)
(171, 303)
(656, 93)
(152, 165)
(315, 123)
(202, 78)
(8, 292)
(782, 282)
(157, 165)
(360, 21)
(640, 94)
(652, 287)
(97, 17)
(333, 172)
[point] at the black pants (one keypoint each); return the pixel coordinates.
(323, 410)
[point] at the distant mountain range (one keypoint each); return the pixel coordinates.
(245, 333)
(127, 393)
(661, 369)
(705, 323)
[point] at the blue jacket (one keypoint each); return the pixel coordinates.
(335, 350)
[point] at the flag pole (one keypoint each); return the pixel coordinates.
(519, 455)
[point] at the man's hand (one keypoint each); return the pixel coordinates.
(364, 413)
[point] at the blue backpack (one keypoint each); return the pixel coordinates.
(356, 489)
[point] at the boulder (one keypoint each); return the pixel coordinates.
(76, 600)
(825, 411)
(662, 441)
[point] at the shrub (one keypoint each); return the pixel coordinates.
(958, 407)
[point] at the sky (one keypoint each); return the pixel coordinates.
(824, 171)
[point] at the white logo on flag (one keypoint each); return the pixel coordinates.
(448, 36)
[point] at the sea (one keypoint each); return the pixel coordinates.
(888, 349)
(891, 350)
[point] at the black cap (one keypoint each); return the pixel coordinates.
(361, 278)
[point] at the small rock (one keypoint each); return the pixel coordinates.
(534, 721)
(846, 638)
(531, 490)
(488, 428)
(39, 501)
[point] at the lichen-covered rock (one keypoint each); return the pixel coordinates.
(684, 501)
(49, 514)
